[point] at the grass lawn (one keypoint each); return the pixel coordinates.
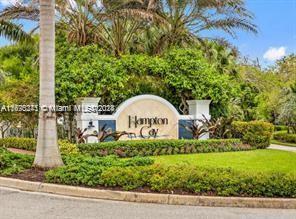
(257, 160)
(282, 143)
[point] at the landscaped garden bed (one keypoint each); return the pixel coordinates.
(167, 174)
(162, 147)
(168, 166)
(286, 138)
(136, 148)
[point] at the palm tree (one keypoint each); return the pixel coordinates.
(13, 31)
(47, 153)
(111, 24)
(120, 25)
(187, 19)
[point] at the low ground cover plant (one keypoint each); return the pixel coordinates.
(285, 137)
(161, 147)
(177, 179)
(85, 170)
(255, 133)
(11, 163)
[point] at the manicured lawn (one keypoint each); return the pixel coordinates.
(257, 160)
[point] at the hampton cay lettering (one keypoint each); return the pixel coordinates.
(145, 125)
(135, 121)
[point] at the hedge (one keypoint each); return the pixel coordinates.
(85, 170)
(280, 128)
(19, 143)
(161, 147)
(29, 144)
(285, 137)
(255, 133)
(178, 179)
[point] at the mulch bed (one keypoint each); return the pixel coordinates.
(21, 151)
(34, 174)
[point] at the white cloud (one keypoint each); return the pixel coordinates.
(273, 53)
(8, 2)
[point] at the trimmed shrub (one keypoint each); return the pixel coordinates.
(285, 137)
(67, 148)
(11, 163)
(85, 170)
(29, 144)
(201, 181)
(161, 147)
(280, 128)
(255, 133)
(19, 143)
(175, 179)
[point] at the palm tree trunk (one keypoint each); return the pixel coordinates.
(47, 152)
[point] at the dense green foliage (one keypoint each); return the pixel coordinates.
(185, 178)
(125, 48)
(240, 90)
(83, 170)
(191, 76)
(181, 178)
(66, 148)
(11, 163)
(87, 71)
(287, 114)
(19, 143)
(266, 93)
(255, 133)
(18, 85)
(280, 128)
(161, 147)
(285, 137)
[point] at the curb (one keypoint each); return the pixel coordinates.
(212, 201)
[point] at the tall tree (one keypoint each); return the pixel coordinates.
(47, 152)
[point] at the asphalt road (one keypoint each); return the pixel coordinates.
(20, 204)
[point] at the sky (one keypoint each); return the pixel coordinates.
(276, 21)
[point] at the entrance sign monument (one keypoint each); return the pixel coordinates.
(146, 116)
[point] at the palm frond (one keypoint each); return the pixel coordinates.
(13, 32)
(228, 25)
(20, 11)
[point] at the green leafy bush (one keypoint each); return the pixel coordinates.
(67, 148)
(255, 133)
(285, 137)
(85, 170)
(184, 178)
(20, 143)
(29, 144)
(280, 128)
(11, 163)
(174, 179)
(161, 147)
